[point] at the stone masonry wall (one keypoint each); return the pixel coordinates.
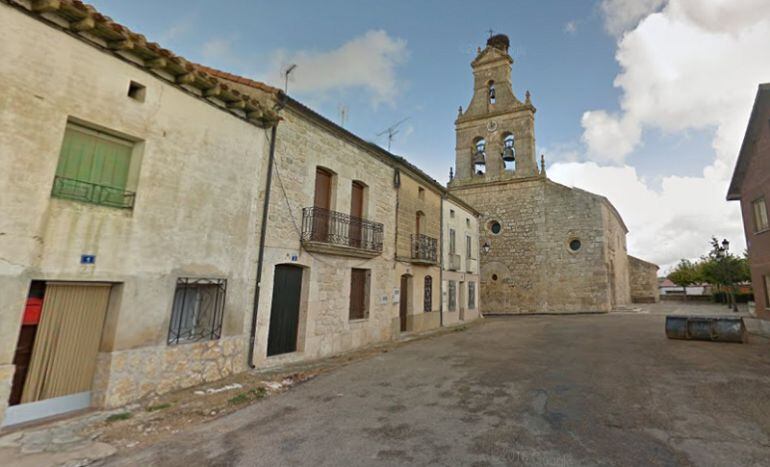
(530, 267)
(325, 327)
(643, 278)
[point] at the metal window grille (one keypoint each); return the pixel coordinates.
(471, 295)
(452, 296)
(424, 248)
(197, 311)
(325, 226)
(428, 294)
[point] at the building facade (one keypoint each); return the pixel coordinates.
(551, 248)
(643, 280)
(751, 186)
(460, 262)
(114, 166)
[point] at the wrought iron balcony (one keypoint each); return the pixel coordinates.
(334, 232)
(424, 248)
(454, 262)
(88, 192)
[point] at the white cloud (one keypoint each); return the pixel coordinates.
(368, 62)
(622, 15)
(216, 48)
(665, 225)
(685, 64)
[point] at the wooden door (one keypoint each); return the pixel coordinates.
(358, 293)
(403, 303)
(284, 311)
(356, 214)
(322, 203)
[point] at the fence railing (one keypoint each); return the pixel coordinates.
(92, 193)
(424, 248)
(336, 228)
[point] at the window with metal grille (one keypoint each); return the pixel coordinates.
(452, 295)
(468, 250)
(359, 294)
(428, 294)
(93, 168)
(197, 311)
(471, 295)
(760, 215)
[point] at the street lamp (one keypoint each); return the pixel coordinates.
(485, 248)
(725, 245)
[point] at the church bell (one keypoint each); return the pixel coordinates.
(508, 155)
(478, 158)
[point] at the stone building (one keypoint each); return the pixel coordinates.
(549, 247)
(326, 281)
(116, 160)
(643, 280)
(460, 263)
(750, 186)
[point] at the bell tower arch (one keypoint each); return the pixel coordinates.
(495, 135)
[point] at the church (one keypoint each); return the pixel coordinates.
(545, 247)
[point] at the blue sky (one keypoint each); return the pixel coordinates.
(643, 101)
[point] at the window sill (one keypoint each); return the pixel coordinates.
(358, 320)
(762, 231)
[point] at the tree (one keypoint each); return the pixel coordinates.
(685, 274)
(724, 270)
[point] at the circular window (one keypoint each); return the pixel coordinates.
(574, 244)
(494, 277)
(494, 227)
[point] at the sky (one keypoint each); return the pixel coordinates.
(643, 101)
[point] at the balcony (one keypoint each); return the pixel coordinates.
(88, 192)
(471, 265)
(424, 249)
(335, 233)
(454, 262)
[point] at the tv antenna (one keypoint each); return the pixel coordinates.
(343, 111)
(287, 69)
(392, 130)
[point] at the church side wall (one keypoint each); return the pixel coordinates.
(643, 280)
(616, 256)
(530, 266)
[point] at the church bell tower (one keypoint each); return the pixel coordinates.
(496, 133)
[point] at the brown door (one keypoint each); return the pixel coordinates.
(322, 203)
(356, 214)
(403, 305)
(358, 293)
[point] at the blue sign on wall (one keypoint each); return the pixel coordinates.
(87, 259)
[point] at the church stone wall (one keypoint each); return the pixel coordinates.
(616, 256)
(530, 266)
(643, 278)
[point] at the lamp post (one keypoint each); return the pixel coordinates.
(485, 248)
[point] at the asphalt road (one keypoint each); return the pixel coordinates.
(541, 390)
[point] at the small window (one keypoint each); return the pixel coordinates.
(468, 223)
(452, 213)
(93, 168)
(136, 91)
(495, 227)
(575, 244)
(468, 245)
(471, 295)
(452, 245)
(428, 294)
(421, 193)
(359, 294)
(197, 311)
(759, 209)
(494, 277)
(452, 295)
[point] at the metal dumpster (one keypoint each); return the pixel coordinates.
(706, 328)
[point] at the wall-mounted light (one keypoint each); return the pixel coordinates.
(485, 248)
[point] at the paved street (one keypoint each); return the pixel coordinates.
(542, 390)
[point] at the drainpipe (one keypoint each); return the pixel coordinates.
(441, 264)
(262, 235)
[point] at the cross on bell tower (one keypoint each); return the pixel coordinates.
(495, 134)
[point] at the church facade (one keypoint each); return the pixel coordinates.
(546, 247)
